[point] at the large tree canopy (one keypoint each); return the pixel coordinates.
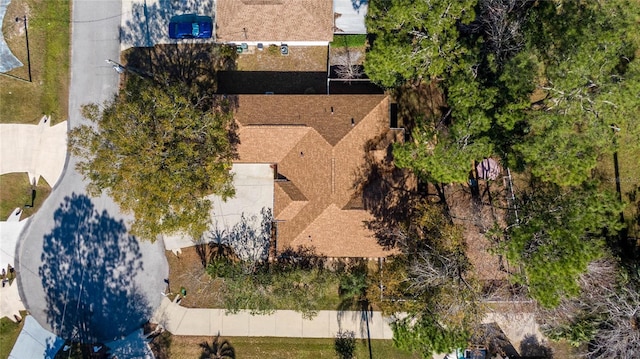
(490, 58)
(586, 51)
(415, 39)
(158, 153)
(545, 86)
(560, 232)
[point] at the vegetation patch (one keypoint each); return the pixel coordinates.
(16, 191)
(9, 332)
(296, 281)
(359, 40)
(188, 347)
(49, 41)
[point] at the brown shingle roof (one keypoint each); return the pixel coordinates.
(274, 20)
(320, 153)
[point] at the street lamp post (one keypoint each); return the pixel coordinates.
(26, 35)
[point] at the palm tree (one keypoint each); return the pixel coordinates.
(217, 349)
(353, 294)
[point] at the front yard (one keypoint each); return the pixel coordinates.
(183, 347)
(305, 290)
(16, 191)
(49, 36)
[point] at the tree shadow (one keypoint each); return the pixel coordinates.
(491, 336)
(149, 22)
(195, 65)
(388, 192)
(249, 238)
(301, 257)
(279, 82)
(531, 347)
(357, 4)
(88, 271)
(421, 101)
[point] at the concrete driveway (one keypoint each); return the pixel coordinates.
(145, 23)
(81, 275)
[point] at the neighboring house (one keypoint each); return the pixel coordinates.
(316, 145)
(291, 22)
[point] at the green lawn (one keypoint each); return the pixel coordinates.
(183, 347)
(348, 41)
(15, 191)
(49, 36)
(8, 334)
(629, 179)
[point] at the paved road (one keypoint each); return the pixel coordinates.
(80, 274)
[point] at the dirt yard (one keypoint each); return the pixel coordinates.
(478, 214)
(300, 58)
(186, 270)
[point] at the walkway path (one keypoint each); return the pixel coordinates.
(39, 150)
(179, 320)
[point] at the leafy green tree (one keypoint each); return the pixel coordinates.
(586, 53)
(158, 152)
(422, 334)
(561, 230)
(414, 39)
(345, 344)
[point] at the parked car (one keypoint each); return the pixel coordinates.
(190, 26)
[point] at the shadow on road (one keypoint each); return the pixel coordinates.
(88, 271)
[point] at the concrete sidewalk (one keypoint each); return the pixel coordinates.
(283, 323)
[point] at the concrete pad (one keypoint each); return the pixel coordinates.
(387, 332)
(10, 302)
(171, 317)
(319, 326)
(39, 150)
(350, 17)
(254, 192)
(9, 235)
(263, 325)
(145, 23)
(236, 325)
(195, 322)
(35, 342)
(289, 324)
(352, 321)
(516, 326)
(135, 345)
(282, 323)
(215, 316)
(376, 325)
